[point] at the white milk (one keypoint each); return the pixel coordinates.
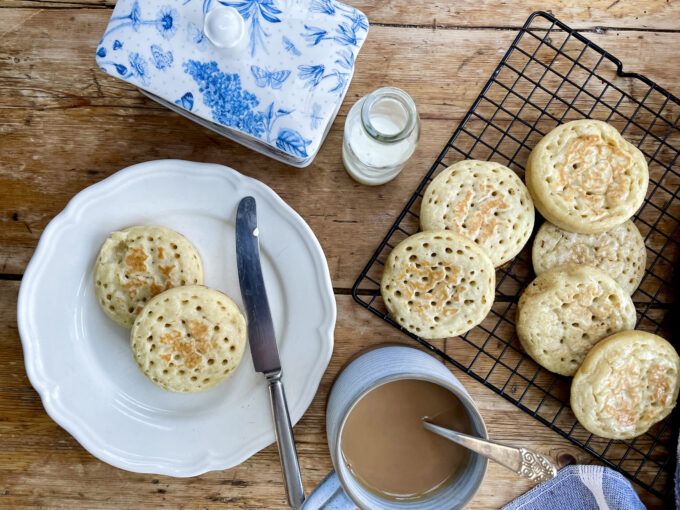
(378, 143)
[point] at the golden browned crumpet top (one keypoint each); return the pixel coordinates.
(138, 263)
(188, 339)
(484, 201)
(438, 284)
(585, 177)
(627, 383)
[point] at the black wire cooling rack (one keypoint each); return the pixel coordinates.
(552, 74)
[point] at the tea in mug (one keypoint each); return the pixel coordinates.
(387, 449)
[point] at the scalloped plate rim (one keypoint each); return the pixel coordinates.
(80, 431)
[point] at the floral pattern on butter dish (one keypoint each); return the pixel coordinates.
(222, 93)
(314, 74)
(120, 68)
(345, 59)
(271, 115)
(315, 117)
(164, 22)
(235, 107)
(196, 37)
(290, 46)
(346, 34)
(256, 13)
(291, 141)
(283, 89)
(138, 66)
(323, 6)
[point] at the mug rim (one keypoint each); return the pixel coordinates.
(467, 401)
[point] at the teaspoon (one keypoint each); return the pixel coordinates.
(525, 463)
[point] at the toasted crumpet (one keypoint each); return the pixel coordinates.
(138, 263)
(188, 339)
(585, 177)
(483, 201)
(438, 284)
(627, 383)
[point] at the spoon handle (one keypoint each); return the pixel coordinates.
(526, 463)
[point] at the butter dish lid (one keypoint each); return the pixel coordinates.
(280, 90)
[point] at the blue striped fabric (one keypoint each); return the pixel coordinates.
(581, 488)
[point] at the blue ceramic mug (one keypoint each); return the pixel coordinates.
(340, 490)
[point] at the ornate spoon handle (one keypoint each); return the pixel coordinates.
(525, 463)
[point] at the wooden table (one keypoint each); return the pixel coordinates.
(65, 125)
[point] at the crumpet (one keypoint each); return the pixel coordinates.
(483, 201)
(567, 310)
(627, 383)
(438, 284)
(188, 339)
(620, 252)
(585, 177)
(138, 263)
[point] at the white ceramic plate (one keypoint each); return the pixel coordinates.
(80, 361)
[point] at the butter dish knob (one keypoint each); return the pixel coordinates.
(225, 28)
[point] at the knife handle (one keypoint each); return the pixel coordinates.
(284, 437)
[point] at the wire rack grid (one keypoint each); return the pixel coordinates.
(552, 74)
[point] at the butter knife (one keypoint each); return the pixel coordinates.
(263, 343)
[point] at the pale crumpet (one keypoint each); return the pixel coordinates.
(620, 252)
(567, 310)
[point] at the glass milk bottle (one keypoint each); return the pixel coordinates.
(381, 133)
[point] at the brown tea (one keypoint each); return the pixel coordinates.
(387, 449)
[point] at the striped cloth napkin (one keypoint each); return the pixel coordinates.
(677, 478)
(581, 488)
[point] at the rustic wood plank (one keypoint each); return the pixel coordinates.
(476, 13)
(491, 13)
(60, 71)
(57, 138)
(42, 465)
(116, 126)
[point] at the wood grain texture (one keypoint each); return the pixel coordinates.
(41, 465)
(654, 15)
(65, 124)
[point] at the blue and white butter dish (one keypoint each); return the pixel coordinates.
(269, 74)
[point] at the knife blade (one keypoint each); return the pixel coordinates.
(262, 342)
(260, 327)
